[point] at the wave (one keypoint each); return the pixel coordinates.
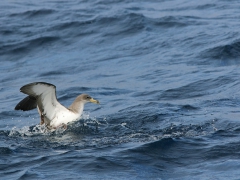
(116, 26)
(223, 52)
(197, 89)
(5, 151)
(33, 13)
(28, 46)
(198, 148)
(123, 24)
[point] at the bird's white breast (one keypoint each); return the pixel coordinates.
(64, 116)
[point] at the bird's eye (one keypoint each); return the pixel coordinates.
(88, 97)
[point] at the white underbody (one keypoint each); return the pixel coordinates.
(62, 116)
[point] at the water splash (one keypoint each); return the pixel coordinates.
(84, 125)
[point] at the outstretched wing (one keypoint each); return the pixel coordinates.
(45, 95)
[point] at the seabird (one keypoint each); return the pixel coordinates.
(42, 95)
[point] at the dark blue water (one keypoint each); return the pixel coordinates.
(166, 73)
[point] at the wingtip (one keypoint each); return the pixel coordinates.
(26, 104)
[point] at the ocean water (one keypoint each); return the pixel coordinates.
(165, 71)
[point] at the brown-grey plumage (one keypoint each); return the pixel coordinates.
(43, 96)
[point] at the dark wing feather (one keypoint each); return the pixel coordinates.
(28, 103)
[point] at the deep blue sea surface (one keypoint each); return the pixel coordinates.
(167, 74)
